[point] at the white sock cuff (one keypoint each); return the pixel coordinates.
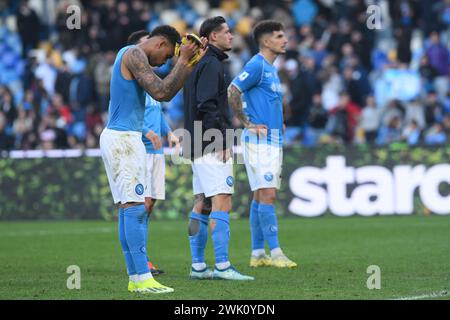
(134, 278)
(199, 266)
(145, 276)
(258, 252)
(223, 265)
(276, 251)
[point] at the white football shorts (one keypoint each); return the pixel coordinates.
(263, 163)
(156, 167)
(124, 156)
(211, 176)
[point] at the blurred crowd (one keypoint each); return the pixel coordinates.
(350, 75)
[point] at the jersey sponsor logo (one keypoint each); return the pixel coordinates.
(230, 181)
(244, 75)
(268, 74)
(139, 189)
(276, 87)
(268, 176)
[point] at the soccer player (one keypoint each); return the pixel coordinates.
(121, 145)
(205, 104)
(262, 139)
(155, 125)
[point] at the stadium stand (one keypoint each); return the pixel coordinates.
(344, 81)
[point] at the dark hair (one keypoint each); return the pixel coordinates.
(210, 25)
(168, 32)
(136, 36)
(266, 27)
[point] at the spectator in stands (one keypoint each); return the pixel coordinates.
(7, 106)
(427, 72)
(51, 135)
(438, 55)
(411, 133)
(394, 109)
(435, 135)
(317, 120)
(370, 120)
(434, 110)
(62, 112)
(330, 50)
(6, 140)
(389, 133)
(343, 119)
(303, 86)
(63, 79)
(102, 77)
(29, 27)
(415, 111)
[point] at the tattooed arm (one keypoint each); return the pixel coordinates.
(161, 90)
(234, 100)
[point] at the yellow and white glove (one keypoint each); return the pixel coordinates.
(193, 38)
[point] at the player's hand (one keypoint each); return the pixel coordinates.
(173, 140)
(259, 129)
(224, 155)
(200, 53)
(192, 51)
(154, 138)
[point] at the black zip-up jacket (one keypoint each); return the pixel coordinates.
(205, 100)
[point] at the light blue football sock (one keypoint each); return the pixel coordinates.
(124, 244)
(269, 226)
(147, 221)
(198, 236)
(221, 235)
(135, 228)
(255, 227)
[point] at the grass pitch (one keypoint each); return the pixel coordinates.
(333, 254)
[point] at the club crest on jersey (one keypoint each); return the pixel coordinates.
(243, 76)
(230, 181)
(139, 189)
(268, 176)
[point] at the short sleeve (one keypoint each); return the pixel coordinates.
(250, 76)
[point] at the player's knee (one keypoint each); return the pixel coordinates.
(207, 205)
(226, 207)
(206, 211)
(199, 208)
(267, 196)
(202, 206)
(222, 202)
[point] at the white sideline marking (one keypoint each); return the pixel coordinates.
(426, 296)
(55, 232)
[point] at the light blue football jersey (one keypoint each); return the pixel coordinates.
(263, 99)
(154, 120)
(127, 102)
